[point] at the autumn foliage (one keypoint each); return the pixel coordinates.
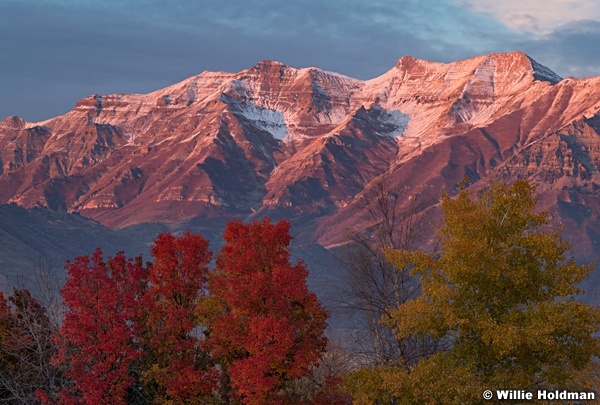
(498, 299)
(178, 368)
(269, 327)
(100, 338)
(175, 331)
(494, 309)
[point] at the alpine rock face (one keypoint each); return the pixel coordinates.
(306, 143)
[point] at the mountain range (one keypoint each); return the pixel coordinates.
(306, 144)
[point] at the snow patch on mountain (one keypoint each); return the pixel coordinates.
(482, 82)
(238, 89)
(327, 73)
(395, 122)
(271, 121)
(541, 72)
(192, 91)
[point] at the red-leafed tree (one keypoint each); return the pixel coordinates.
(175, 332)
(134, 334)
(178, 367)
(100, 334)
(269, 329)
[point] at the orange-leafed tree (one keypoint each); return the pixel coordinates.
(269, 329)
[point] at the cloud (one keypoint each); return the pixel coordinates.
(569, 51)
(535, 17)
(55, 52)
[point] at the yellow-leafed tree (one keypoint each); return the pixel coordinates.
(499, 296)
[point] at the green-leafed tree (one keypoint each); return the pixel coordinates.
(499, 296)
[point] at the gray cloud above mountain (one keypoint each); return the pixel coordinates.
(57, 51)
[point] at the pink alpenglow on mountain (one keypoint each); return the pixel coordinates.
(286, 141)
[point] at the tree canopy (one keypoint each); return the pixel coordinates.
(498, 296)
(492, 307)
(269, 328)
(175, 331)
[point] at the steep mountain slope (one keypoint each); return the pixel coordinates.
(283, 141)
(37, 242)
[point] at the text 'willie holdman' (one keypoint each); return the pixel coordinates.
(558, 395)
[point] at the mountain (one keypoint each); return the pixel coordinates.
(35, 243)
(306, 143)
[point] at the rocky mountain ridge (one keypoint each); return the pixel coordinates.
(306, 143)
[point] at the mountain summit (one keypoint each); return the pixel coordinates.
(307, 142)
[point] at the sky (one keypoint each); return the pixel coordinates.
(55, 52)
